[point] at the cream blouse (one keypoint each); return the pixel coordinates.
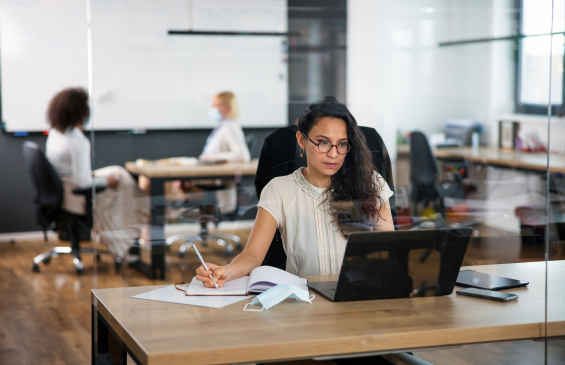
(312, 242)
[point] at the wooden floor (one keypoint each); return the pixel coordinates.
(45, 317)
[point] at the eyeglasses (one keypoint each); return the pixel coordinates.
(325, 146)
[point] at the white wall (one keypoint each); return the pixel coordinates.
(398, 78)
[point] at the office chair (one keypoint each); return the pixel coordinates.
(48, 198)
(251, 140)
(424, 176)
(210, 213)
(204, 217)
(423, 172)
(425, 189)
(280, 156)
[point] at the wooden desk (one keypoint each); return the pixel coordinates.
(164, 333)
(177, 172)
(158, 174)
(499, 157)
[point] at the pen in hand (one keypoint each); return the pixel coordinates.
(204, 264)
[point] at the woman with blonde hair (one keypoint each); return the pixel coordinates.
(227, 141)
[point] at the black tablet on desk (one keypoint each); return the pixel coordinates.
(473, 279)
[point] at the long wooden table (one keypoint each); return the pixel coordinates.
(506, 158)
(164, 333)
(159, 173)
(498, 157)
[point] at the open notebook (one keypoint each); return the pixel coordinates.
(261, 279)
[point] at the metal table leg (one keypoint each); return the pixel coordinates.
(107, 348)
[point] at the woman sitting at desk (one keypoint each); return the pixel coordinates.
(304, 205)
(123, 204)
(227, 141)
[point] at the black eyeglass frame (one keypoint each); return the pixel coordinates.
(332, 146)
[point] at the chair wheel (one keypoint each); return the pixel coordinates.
(35, 268)
(98, 257)
(80, 271)
(47, 260)
(181, 254)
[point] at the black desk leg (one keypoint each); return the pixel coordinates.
(107, 349)
(156, 270)
(158, 229)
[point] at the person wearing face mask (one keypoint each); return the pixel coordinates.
(125, 202)
(227, 141)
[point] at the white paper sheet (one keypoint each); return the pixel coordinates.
(172, 295)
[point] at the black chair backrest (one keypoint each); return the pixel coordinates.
(423, 170)
(47, 187)
(280, 156)
(251, 140)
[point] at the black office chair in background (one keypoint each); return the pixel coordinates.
(426, 189)
(48, 198)
(280, 156)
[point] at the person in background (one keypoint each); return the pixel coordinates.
(227, 141)
(120, 207)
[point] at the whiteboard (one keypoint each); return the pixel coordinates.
(143, 78)
(42, 50)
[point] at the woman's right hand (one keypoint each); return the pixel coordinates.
(113, 182)
(221, 274)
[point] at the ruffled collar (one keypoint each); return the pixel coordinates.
(312, 190)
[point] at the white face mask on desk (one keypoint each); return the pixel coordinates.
(277, 294)
(215, 114)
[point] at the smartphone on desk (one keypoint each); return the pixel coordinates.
(487, 294)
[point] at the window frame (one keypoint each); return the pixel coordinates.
(521, 108)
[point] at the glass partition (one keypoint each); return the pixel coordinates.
(554, 234)
(447, 85)
(184, 94)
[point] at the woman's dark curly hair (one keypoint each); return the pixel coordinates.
(354, 182)
(68, 108)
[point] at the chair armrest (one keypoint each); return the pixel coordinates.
(86, 191)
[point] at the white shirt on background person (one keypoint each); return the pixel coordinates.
(227, 142)
(69, 153)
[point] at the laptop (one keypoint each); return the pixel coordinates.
(398, 264)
